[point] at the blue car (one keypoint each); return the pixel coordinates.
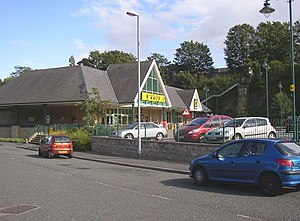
(270, 164)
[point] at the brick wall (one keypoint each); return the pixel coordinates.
(151, 149)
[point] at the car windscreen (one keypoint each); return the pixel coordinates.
(198, 121)
(131, 126)
(61, 139)
(234, 123)
(288, 148)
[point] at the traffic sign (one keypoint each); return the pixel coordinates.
(47, 119)
(185, 112)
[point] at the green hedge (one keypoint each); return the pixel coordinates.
(81, 138)
(12, 140)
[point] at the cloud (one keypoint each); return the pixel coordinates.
(166, 24)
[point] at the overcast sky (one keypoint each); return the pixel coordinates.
(45, 33)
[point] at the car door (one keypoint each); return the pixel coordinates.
(150, 130)
(249, 129)
(262, 127)
(223, 166)
(142, 131)
(250, 162)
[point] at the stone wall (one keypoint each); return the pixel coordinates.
(151, 149)
(14, 132)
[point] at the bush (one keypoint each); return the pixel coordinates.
(81, 139)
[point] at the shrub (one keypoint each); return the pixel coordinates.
(81, 139)
(13, 140)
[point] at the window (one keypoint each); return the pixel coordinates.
(250, 123)
(254, 149)
(261, 122)
(231, 150)
(215, 122)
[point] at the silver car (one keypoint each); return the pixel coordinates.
(243, 127)
(148, 130)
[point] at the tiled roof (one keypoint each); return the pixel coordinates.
(65, 84)
(123, 78)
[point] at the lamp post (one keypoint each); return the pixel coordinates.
(267, 10)
(206, 90)
(133, 14)
(280, 88)
(267, 67)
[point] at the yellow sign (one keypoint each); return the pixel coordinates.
(292, 88)
(196, 103)
(153, 97)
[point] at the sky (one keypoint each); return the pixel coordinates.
(43, 34)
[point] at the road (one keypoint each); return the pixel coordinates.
(63, 189)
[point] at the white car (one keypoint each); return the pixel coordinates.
(243, 127)
(148, 130)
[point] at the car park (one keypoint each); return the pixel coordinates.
(268, 163)
(243, 127)
(55, 145)
(148, 130)
(196, 129)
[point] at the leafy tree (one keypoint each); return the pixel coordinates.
(101, 60)
(184, 80)
(94, 106)
(160, 59)
(72, 61)
(19, 70)
(297, 41)
(239, 41)
(282, 104)
(195, 57)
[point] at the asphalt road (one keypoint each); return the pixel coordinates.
(63, 189)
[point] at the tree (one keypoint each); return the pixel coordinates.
(282, 105)
(297, 41)
(94, 106)
(194, 56)
(160, 59)
(101, 60)
(72, 61)
(239, 41)
(184, 80)
(19, 70)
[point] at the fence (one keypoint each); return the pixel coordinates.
(283, 130)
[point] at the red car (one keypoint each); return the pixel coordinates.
(56, 145)
(196, 129)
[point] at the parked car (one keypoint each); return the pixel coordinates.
(196, 129)
(56, 145)
(148, 130)
(289, 124)
(243, 127)
(268, 163)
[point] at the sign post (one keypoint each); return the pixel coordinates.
(47, 120)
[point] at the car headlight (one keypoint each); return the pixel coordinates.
(194, 131)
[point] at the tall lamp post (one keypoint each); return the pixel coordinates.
(267, 67)
(280, 88)
(133, 14)
(206, 90)
(267, 10)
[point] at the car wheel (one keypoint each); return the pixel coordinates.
(272, 135)
(200, 176)
(270, 184)
(159, 136)
(40, 153)
(237, 137)
(70, 156)
(50, 155)
(129, 136)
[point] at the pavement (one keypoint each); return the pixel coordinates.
(164, 166)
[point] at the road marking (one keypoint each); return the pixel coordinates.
(247, 217)
(135, 191)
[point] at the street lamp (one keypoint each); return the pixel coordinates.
(267, 67)
(133, 14)
(280, 88)
(206, 89)
(267, 10)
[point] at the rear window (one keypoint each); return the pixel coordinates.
(62, 139)
(288, 148)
